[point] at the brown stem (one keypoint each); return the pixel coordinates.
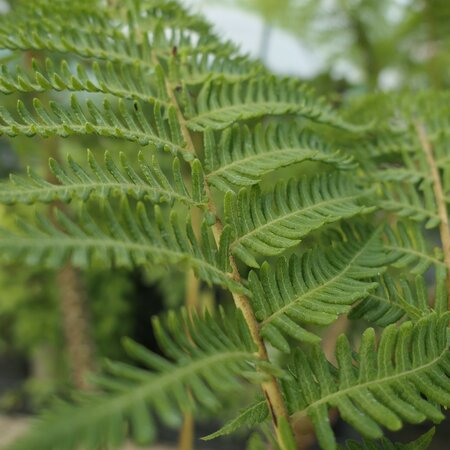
(271, 387)
(186, 438)
(76, 326)
(440, 198)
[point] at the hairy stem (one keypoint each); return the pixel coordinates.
(270, 388)
(440, 198)
(76, 326)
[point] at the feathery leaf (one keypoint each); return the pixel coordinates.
(402, 379)
(98, 182)
(269, 223)
(243, 155)
(315, 288)
(199, 372)
(137, 239)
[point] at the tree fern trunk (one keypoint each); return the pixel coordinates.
(76, 325)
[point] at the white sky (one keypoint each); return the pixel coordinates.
(285, 53)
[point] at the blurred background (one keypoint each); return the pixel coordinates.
(56, 327)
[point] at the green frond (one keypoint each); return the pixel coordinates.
(243, 155)
(407, 247)
(403, 379)
(253, 415)
(315, 288)
(386, 144)
(85, 35)
(220, 105)
(118, 80)
(195, 70)
(393, 300)
(421, 443)
(127, 122)
(406, 201)
(136, 239)
(401, 175)
(269, 223)
(75, 182)
(197, 372)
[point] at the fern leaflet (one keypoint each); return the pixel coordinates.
(269, 223)
(315, 288)
(403, 380)
(104, 183)
(199, 373)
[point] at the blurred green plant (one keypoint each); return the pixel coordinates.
(407, 41)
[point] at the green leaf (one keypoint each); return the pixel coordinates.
(408, 247)
(200, 372)
(136, 239)
(221, 104)
(123, 120)
(267, 224)
(403, 379)
(249, 417)
(406, 201)
(243, 155)
(421, 443)
(393, 301)
(75, 182)
(315, 288)
(120, 80)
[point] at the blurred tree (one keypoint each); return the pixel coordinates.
(383, 40)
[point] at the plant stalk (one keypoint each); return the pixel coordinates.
(271, 388)
(444, 229)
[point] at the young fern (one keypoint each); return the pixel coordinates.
(148, 74)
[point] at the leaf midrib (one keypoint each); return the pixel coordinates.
(320, 286)
(89, 242)
(263, 155)
(122, 402)
(37, 128)
(288, 106)
(294, 213)
(402, 205)
(325, 400)
(94, 185)
(419, 254)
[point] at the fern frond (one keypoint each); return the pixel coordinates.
(407, 202)
(407, 247)
(136, 240)
(315, 288)
(421, 443)
(118, 80)
(393, 301)
(403, 379)
(198, 372)
(103, 183)
(77, 35)
(244, 156)
(197, 69)
(128, 122)
(249, 417)
(269, 223)
(146, 13)
(220, 105)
